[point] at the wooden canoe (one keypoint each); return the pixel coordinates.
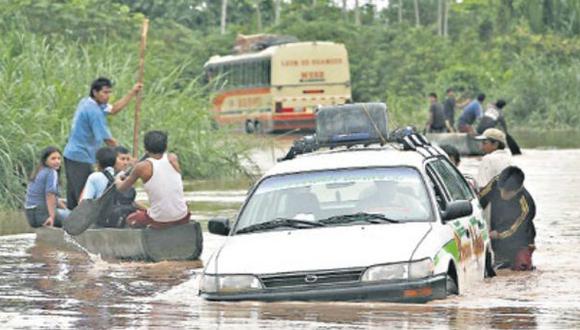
(465, 144)
(182, 242)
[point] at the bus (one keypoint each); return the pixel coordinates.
(280, 87)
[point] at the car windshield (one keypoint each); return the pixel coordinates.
(338, 197)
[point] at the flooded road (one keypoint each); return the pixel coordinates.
(42, 287)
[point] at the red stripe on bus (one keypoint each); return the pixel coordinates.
(293, 116)
(313, 91)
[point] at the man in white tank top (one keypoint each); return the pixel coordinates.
(161, 177)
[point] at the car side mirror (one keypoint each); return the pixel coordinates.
(456, 209)
(219, 226)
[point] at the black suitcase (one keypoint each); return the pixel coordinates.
(352, 124)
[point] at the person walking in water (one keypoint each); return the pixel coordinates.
(436, 122)
(497, 157)
(471, 113)
(161, 176)
(88, 132)
(512, 228)
(449, 110)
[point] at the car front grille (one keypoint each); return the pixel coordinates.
(312, 278)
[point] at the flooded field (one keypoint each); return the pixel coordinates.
(42, 287)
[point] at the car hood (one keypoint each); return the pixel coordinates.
(317, 248)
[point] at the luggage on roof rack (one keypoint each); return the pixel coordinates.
(349, 124)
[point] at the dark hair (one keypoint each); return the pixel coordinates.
(44, 154)
(511, 178)
(449, 90)
(500, 103)
(481, 97)
(121, 150)
(452, 152)
(106, 157)
(433, 95)
(155, 142)
(98, 84)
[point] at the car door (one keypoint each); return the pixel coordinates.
(467, 230)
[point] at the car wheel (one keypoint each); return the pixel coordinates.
(250, 127)
(451, 285)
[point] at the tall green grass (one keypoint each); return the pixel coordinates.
(42, 81)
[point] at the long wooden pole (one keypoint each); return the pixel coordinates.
(138, 99)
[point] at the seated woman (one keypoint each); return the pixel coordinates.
(43, 208)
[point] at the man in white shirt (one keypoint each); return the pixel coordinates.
(497, 157)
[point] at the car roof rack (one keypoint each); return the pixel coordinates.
(408, 139)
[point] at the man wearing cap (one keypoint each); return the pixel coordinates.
(512, 229)
(496, 159)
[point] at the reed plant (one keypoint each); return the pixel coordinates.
(42, 81)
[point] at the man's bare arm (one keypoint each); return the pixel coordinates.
(123, 184)
(122, 103)
(174, 161)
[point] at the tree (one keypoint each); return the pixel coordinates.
(400, 11)
(439, 17)
(445, 17)
(356, 13)
(224, 16)
(258, 15)
(277, 12)
(417, 20)
(344, 11)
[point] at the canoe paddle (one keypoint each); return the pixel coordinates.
(89, 211)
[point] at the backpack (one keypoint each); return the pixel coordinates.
(120, 207)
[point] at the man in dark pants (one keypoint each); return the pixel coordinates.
(512, 212)
(449, 110)
(89, 131)
(436, 122)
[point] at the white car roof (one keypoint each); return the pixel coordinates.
(387, 156)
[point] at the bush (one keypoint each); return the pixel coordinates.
(42, 82)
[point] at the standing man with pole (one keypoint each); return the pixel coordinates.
(89, 131)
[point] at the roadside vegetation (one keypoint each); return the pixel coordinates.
(524, 51)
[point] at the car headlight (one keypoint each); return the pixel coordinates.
(399, 271)
(420, 268)
(229, 283)
(385, 273)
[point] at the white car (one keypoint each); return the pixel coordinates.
(362, 223)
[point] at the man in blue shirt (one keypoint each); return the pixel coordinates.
(89, 131)
(471, 113)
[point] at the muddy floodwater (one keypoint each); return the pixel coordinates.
(43, 287)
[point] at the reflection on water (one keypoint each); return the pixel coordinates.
(41, 286)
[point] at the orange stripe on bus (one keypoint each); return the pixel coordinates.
(219, 99)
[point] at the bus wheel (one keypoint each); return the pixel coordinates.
(257, 127)
(250, 127)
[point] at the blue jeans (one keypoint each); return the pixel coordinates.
(37, 215)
